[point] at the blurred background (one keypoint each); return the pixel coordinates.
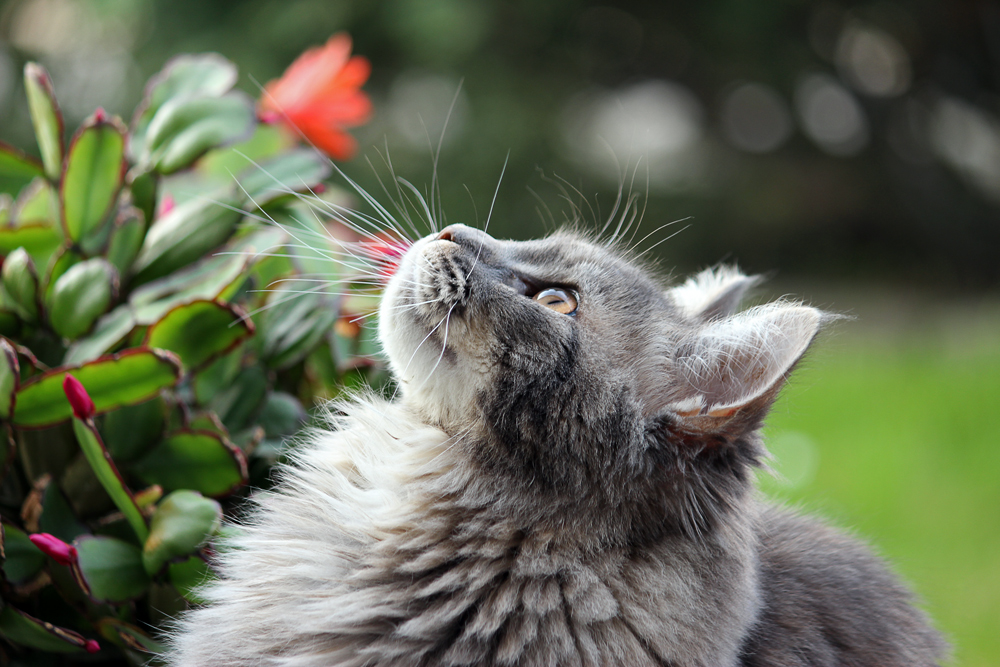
(852, 149)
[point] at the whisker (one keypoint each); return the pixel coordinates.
(663, 226)
(444, 346)
(663, 240)
(402, 375)
(272, 304)
(490, 214)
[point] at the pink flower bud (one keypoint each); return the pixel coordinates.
(269, 117)
(79, 400)
(92, 646)
(100, 116)
(167, 205)
(54, 548)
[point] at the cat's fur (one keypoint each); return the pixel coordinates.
(553, 489)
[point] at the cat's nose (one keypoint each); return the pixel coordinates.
(462, 235)
(449, 233)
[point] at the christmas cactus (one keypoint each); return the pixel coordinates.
(171, 307)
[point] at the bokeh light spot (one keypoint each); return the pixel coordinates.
(418, 107)
(657, 122)
(968, 140)
(755, 118)
(830, 115)
(873, 61)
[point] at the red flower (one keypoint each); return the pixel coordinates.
(319, 96)
(91, 646)
(79, 399)
(54, 548)
(386, 252)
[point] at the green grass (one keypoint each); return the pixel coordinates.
(897, 438)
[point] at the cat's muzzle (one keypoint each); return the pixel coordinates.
(442, 275)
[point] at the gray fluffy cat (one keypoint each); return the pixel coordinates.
(565, 480)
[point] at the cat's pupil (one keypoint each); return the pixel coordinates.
(558, 300)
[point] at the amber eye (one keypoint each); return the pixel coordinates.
(559, 300)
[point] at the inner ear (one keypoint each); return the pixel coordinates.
(740, 361)
(713, 293)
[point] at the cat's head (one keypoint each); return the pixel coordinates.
(577, 373)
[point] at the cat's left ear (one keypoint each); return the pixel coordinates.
(712, 293)
(726, 374)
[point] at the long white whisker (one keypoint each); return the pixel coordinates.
(444, 346)
(402, 375)
(663, 226)
(489, 215)
(663, 240)
(272, 304)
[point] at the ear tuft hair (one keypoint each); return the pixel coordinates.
(712, 293)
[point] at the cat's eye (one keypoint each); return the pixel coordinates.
(559, 300)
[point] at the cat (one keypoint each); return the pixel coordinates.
(566, 478)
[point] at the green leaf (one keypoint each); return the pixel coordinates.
(241, 401)
(184, 77)
(296, 324)
(22, 559)
(127, 635)
(217, 376)
(144, 187)
(202, 280)
(37, 202)
(46, 117)
(183, 522)
(126, 378)
(215, 277)
(100, 461)
(282, 415)
(39, 239)
(312, 252)
(109, 569)
(200, 331)
(80, 296)
(132, 430)
(10, 324)
(20, 281)
(57, 516)
(10, 378)
(295, 170)
(188, 576)
(194, 459)
(26, 630)
(208, 420)
(126, 239)
(186, 234)
(17, 168)
(108, 332)
(60, 263)
(93, 175)
(183, 129)
(34, 223)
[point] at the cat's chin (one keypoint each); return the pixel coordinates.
(418, 336)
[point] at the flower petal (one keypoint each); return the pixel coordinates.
(318, 96)
(331, 140)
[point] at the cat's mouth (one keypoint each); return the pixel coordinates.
(441, 277)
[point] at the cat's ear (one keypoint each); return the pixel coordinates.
(737, 365)
(712, 293)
